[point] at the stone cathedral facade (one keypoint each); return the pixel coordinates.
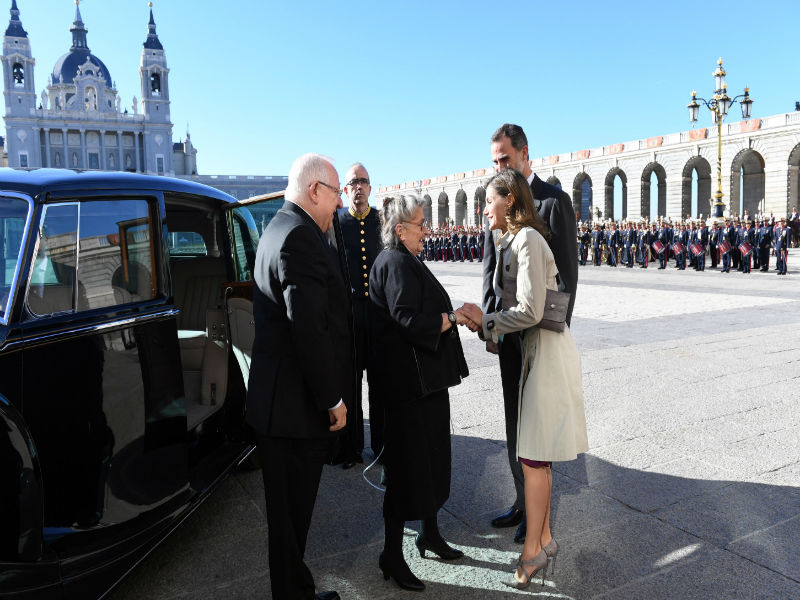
(79, 120)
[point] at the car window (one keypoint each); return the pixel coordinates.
(186, 243)
(13, 217)
(245, 236)
(247, 223)
(113, 264)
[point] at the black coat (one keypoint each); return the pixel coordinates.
(302, 362)
(555, 208)
(408, 302)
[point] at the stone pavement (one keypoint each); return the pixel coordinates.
(691, 488)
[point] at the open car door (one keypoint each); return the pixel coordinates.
(246, 222)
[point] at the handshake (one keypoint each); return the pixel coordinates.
(470, 316)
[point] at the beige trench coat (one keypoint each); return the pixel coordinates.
(552, 421)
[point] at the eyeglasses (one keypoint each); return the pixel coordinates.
(337, 191)
(420, 225)
(357, 180)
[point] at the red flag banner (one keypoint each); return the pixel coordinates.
(655, 142)
(698, 134)
(751, 125)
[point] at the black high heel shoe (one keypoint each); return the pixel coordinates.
(399, 571)
(439, 547)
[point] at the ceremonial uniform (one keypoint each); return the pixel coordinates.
(584, 240)
(612, 241)
(727, 234)
(465, 253)
(663, 237)
(702, 239)
(764, 241)
(713, 241)
(781, 240)
(630, 246)
(748, 236)
(597, 239)
(645, 239)
(362, 244)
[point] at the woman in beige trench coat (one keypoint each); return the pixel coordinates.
(552, 422)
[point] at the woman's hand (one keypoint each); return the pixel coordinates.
(446, 324)
(469, 315)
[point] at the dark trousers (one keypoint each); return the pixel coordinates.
(764, 258)
(362, 316)
(292, 469)
(726, 262)
(510, 371)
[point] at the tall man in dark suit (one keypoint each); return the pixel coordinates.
(361, 232)
(509, 148)
(301, 373)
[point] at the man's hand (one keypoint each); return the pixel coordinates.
(492, 347)
(462, 319)
(338, 417)
(472, 312)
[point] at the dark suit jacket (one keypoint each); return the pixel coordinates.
(302, 354)
(555, 208)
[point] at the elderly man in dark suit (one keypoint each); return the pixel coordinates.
(301, 373)
(509, 148)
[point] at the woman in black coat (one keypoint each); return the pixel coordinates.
(420, 358)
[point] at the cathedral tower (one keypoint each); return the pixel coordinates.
(154, 76)
(20, 93)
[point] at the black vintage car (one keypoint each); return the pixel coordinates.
(125, 335)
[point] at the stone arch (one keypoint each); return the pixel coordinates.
(661, 176)
(751, 164)
(461, 207)
(427, 209)
(608, 213)
(553, 180)
(793, 184)
(443, 212)
(480, 204)
(582, 196)
(703, 168)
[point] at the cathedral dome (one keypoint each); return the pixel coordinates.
(67, 67)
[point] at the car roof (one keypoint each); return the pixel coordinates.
(34, 181)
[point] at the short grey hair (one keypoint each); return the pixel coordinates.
(305, 170)
(396, 209)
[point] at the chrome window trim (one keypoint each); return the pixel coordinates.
(70, 332)
(25, 234)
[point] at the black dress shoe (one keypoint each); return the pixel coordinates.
(511, 518)
(399, 571)
(522, 530)
(328, 596)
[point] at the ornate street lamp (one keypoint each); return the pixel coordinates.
(719, 106)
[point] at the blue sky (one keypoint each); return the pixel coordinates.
(415, 89)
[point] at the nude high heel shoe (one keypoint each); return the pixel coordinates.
(551, 549)
(539, 561)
